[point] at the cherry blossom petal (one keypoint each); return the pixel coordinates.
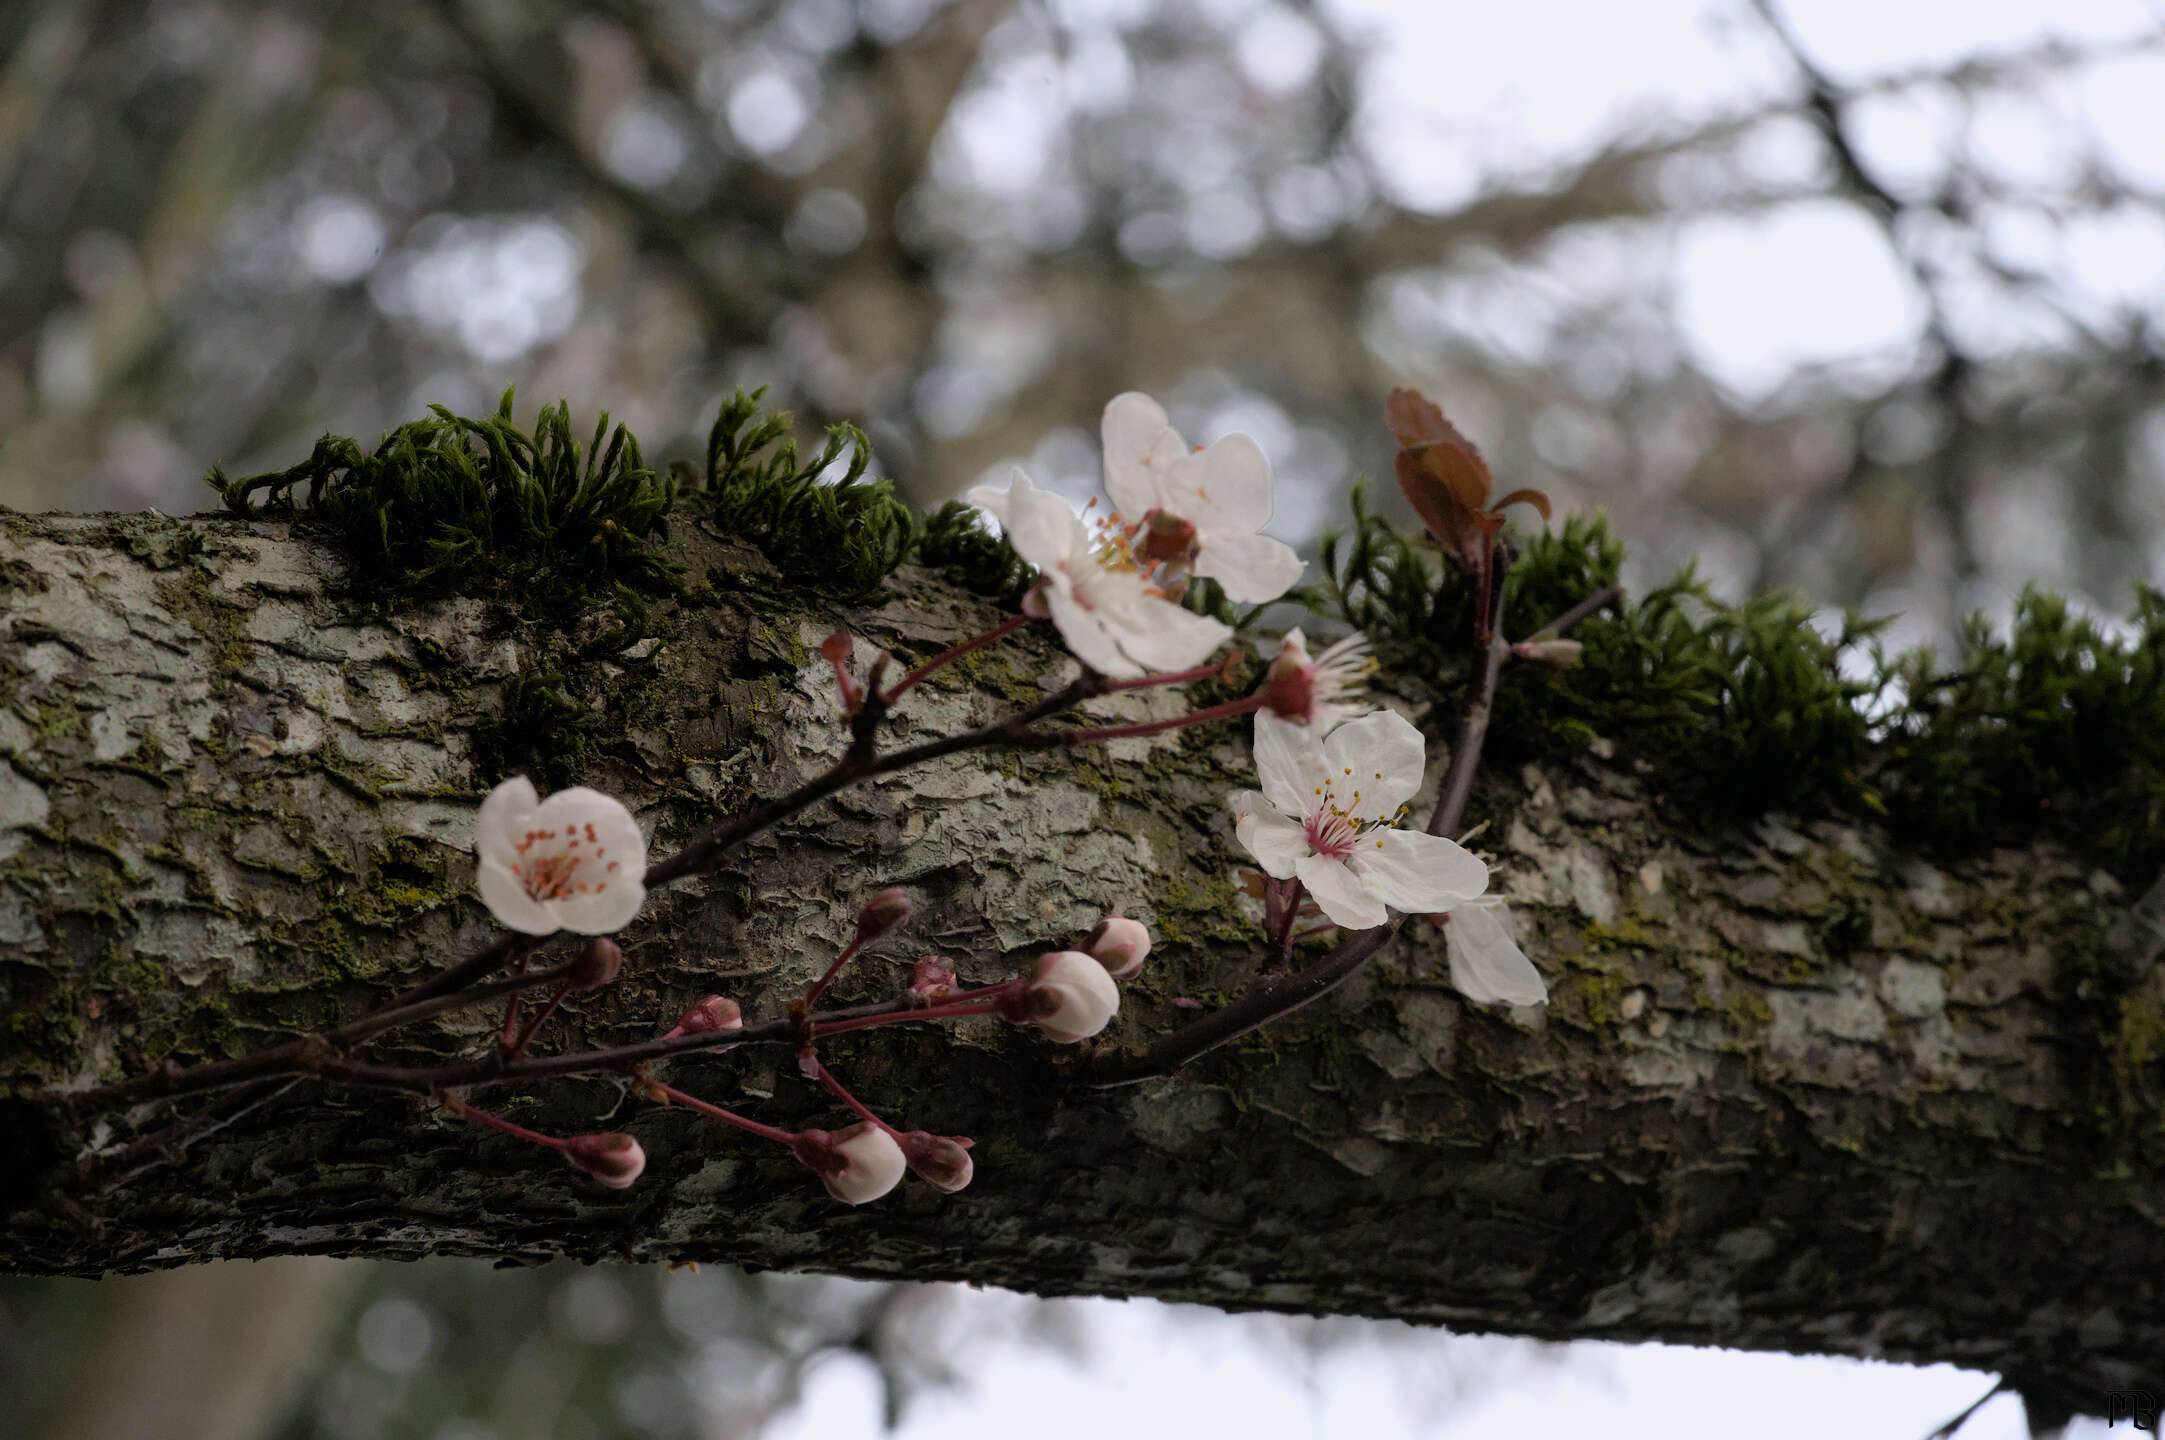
(1276, 842)
(1040, 526)
(1416, 872)
(1080, 627)
(1160, 635)
(604, 823)
(1223, 488)
(1486, 963)
(1252, 569)
(1338, 892)
(1382, 756)
(503, 820)
(612, 904)
(505, 895)
(1140, 446)
(1289, 762)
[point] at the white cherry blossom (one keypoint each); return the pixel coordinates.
(1107, 613)
(1486, 963)
(1325, 816)
(1203, 506)
(575, 861)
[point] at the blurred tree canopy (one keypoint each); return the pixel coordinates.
(1870, 306)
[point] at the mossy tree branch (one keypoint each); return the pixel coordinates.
(1801, 1084)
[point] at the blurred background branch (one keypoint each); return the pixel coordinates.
(1825, 301)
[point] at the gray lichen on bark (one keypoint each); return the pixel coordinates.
(1795, 1088)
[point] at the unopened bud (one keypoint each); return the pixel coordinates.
(836, 647)
(1563, 654)
(941, 1161)
(932, 980)
(1120, 945)
(715, 1012)
(1070, 996)
(599, 961)
(888, 910)
(1289, 686)
(614, 1159)
(856, 1165)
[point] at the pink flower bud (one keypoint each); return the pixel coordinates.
(1563, 654)
(715, 1012)
(941, 1161)
(614, 1159)
(835, 648)
(856, 1165)
(599, 961)
(932, 980)
(888, 910)
(1120, 945)
(1071, 997)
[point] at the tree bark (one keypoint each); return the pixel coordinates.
(1795, 1088)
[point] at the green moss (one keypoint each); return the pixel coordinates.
(957, 543)
(447, 501)
(844, 535)
(1750, 707)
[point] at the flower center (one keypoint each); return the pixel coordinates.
(551, 871)
(1332, 836)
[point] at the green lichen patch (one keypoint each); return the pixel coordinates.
(446, 501)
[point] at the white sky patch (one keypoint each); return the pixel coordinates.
(1860, 39)
(1814, 283)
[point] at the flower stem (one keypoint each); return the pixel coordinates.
(819, 986)
(952, 1010)
(1178, 677)
(526, 1036)
(826, 1078)
(947, 657)
(730, 1117)
(1151, 727)
(497, 1122)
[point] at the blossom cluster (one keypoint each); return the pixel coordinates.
(1337, 776)
(577, 861)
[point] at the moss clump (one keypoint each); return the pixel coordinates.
(957, 543)
(2056, 722)
(843, 535)
(445, 501)
(1751, 707)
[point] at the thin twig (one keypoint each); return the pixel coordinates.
(116, 1168)
(1607, 595)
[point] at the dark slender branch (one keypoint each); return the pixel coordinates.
(1457, 785)
(495, 1069)
(1258, 1006)
(708, 848)
(305, 1056)
(117, 1167)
